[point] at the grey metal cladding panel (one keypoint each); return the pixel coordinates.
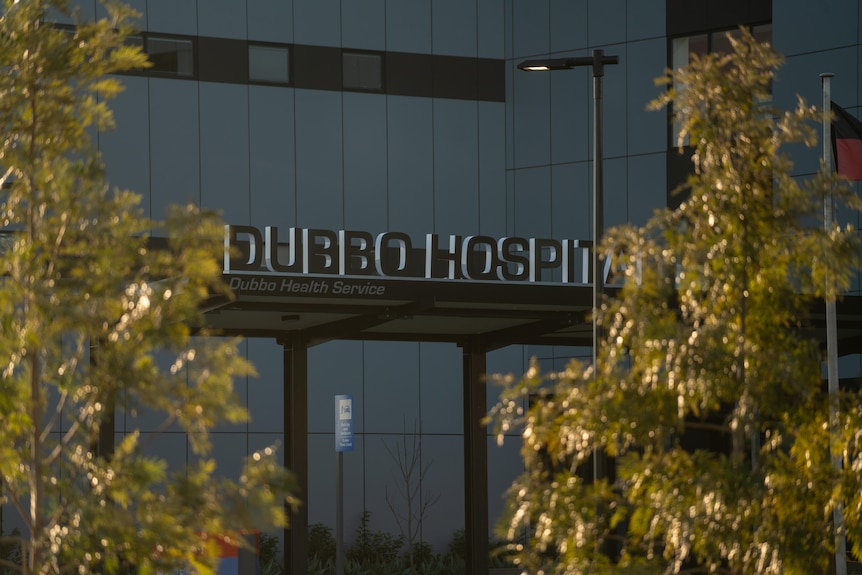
(453, 27)
(532, 119)
(365, 172)
(533, 201)
(804, 27)
(491, 37)
(328, 378)
(270, 21)
(492, 169)
(223, 18)
(319, 157)
(614, 102)
(172, 16)
(647, 186)
(801, 75)
(441, 388)
(271, 156)
(391, 383)
(511, 72)
(224, 150)
(317, 22)
(572, 201)
(456, 177)
(530, 21)
(174, 144)
(508, 29)
(126, 149)
(645, 19)
(646, 129)
(363, 24)
(616, 203)
(266, 391)
(571, 113)
(408, 26)
(411, 165)
(569, 27)
(607, 21)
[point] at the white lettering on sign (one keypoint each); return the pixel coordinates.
(356, 254)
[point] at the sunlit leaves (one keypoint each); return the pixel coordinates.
(93, 317)
(708, 390)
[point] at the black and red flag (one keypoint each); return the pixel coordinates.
(846, 143)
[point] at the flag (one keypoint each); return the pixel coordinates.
(846, 143)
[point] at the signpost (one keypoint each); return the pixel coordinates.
(343, 442)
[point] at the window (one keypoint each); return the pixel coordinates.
(683, 47)
(362, 71)
(173, 56)
(268, 64)
(712, 42)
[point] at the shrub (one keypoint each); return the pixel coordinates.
(373, 547)
(421, 552)
(321, 543)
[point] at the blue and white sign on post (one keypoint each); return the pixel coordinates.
(343, 423)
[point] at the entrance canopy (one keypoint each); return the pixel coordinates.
(324, 308)
(327, 286)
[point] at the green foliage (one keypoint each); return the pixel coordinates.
(457, 547)
(420, 552)
(92, 318)
(270, 562)
(380, 553)
(372, 547)
(321, 543)
(708, 334)
(10, 552)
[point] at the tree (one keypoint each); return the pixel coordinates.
(92, 317)
(708, 335)
(410, 513)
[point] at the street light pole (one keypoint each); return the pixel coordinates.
(597, 61)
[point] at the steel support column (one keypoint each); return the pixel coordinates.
(475, 459)
(296, 447)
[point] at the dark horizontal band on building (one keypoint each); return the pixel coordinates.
(210, 59)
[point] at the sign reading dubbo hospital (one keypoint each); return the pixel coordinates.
(307, 261)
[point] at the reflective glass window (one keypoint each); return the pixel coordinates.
(269, 64)
(362, 71)
(171, 55)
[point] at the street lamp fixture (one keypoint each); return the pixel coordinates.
(597, 61)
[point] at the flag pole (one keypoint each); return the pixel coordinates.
(832, 335)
